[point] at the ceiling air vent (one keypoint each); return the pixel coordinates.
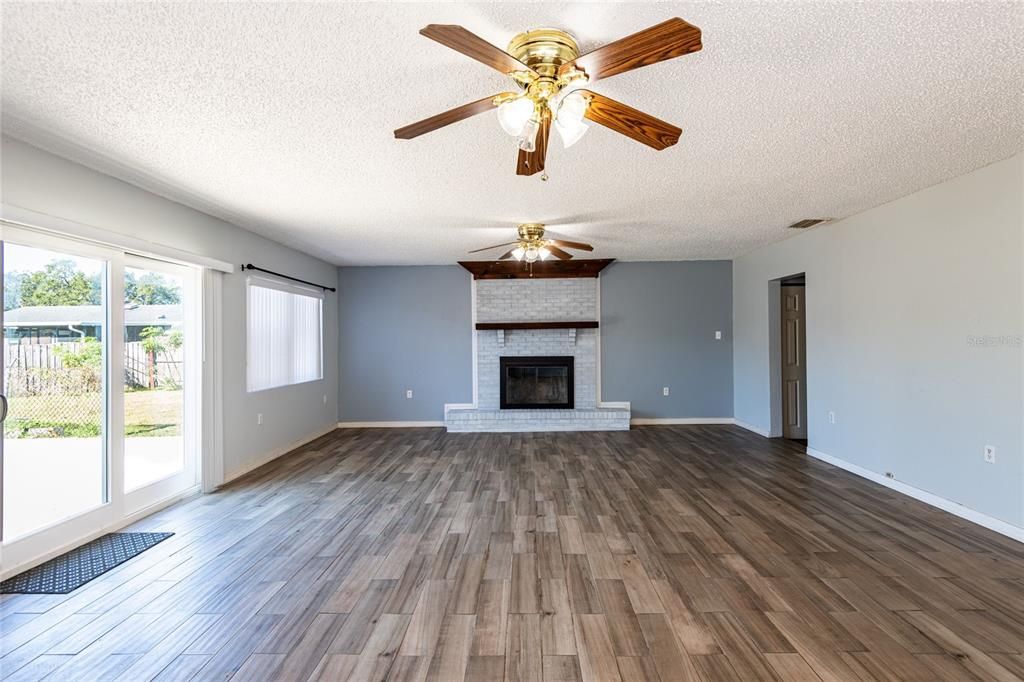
(808, 222)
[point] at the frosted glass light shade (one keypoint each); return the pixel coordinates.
(532, 254)
(572, 107)
(514, 114)
(569, 118)
(570, 131)
(518, 253)
(528, 138)
(544, 253)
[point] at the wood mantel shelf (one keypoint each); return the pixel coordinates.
(549, 269)
(580, 324)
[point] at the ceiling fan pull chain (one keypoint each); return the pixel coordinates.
(544, 176)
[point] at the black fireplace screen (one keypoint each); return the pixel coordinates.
(536, 382)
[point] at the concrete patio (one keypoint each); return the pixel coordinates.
(49, 479)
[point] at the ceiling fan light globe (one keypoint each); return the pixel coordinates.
(571, 132)
(514, 115)
(571, 108)
(555, 103)
(532, 254)
(544, 253)
(518, 253)
(528, 138)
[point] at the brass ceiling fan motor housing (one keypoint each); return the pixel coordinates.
(544, 50)
(531, 236)
(531, 232)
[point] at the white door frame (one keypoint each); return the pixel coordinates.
(212, 465)
(774, 351)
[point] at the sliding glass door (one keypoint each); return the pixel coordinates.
(160, 341)
(55, 324)
(99, 377)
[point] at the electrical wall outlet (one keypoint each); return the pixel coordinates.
(718, 336)
(831, 417)
(889, 474)
(990, 454)
(259, 419)
(325, 398)
(408, 394)
(664, 391)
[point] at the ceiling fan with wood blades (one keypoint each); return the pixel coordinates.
(532, 246)
(550, 78)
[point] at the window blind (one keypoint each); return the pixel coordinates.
(285, 334)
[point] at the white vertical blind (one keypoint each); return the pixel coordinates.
(285, 335)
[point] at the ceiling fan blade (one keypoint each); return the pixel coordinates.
(488, 248)
(506, 255)
(474, 47)
(446, 118)
(631, 122)
(558, 253)
(529, 163)
(571, 245)
(667, 40)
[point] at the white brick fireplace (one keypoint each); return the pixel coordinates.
(536, 300)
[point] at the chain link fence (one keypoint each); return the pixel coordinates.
(56, 390)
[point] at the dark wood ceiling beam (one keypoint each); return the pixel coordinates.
(512, 269)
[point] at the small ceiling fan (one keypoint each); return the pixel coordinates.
(550, 75)
(532, 246)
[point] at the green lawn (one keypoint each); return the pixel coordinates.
(147, 413)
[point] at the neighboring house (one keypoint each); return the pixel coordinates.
(50, 324)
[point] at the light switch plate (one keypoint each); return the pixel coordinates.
(718, 336)
(408, 394)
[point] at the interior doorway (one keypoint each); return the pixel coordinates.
(793, 357)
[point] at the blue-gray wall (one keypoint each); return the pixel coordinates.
(658, 324)
(410, 327)
(403, 328)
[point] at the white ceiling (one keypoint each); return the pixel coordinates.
(279, 117)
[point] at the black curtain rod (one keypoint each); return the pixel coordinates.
(250, 266)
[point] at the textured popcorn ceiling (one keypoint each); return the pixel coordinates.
(279, 117)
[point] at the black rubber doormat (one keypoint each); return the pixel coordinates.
(69, 571)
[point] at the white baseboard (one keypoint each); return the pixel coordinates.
(9, 571)
(645, 421)
(635, 422)
(277, 452)
(386, 425)
(955, 508)
(750, 427)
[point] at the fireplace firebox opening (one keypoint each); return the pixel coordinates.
(530, 383)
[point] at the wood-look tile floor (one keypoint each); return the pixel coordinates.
(667, 553)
